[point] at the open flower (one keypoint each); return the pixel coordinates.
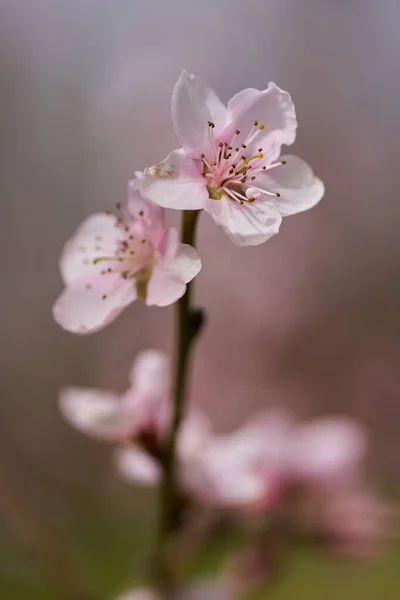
(141, 414)
(111, 261)
(216, 470)
(230, 163)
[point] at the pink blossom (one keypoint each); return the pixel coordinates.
(138, 467)
(241, 469)
(230, 163)
(111, 261)
(217, 470)
(142, 413)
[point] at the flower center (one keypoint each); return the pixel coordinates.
(230, 170)
(133, 256)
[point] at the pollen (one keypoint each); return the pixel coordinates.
(262, 126)
(104, 297)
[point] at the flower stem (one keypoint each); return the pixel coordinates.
(189, 322)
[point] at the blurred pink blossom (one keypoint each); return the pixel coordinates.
(111, 261)
(142, 413)
(230, 164)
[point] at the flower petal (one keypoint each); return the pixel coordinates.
(96, 236)
(164, 288)
(326, 450)
(151, 372)
(180, 264)
(194, 436)
(181, 260)
(148, 217)
(271, 108)
(176, 182)
(94, 412)
(245, 224)
(88, 305)
(136, 466)
(194, 104)
(298, 186)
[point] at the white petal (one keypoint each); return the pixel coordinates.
(176, 182)
(90, 304)
(272, 108)
(96, 236)
(247, 224)
(194, 104)
(94, 412)
(299, 188)
(136, 466)
(151, 372)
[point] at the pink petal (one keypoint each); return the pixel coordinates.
(164, 288)
(181, 260)
(96, 236)
(245, 224)
(299, 188)
(96, 413)
(180, 264)
(151, 372)
(90, 304)
(194, 436)
(136, 466)
(140, 207)
(194, 104)
(272, 108)
(176, 182)
(327, 450)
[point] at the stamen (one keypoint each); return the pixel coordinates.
(235, 195)
(101, 258)
(268, 193)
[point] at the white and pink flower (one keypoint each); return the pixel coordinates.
(230, 162)
(113, 260)
(142, 414)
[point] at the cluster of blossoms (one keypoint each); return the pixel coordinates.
(310, 474)
(230, 165)
(307, 475)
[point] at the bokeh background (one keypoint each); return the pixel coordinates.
(309, 320)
